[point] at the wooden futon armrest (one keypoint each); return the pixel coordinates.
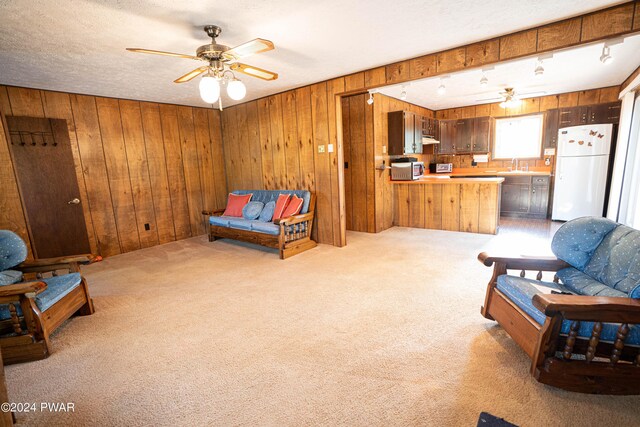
(51, 264)
(295, 219)
(22, 288)
(213, 212)
(597, 309)
(541, 263)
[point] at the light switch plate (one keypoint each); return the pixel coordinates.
(330, 148)
(549, 151)
(320, 148)
(384, 149)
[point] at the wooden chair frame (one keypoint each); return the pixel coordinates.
(600, 367)
(26, 338)
(288, 243)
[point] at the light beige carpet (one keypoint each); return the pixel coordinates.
(386, 331)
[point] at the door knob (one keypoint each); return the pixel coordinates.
(75, 201)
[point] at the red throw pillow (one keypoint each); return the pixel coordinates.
(235, 203)
(281, 204)
(293, 207)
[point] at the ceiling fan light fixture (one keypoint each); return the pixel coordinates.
(606, 57)
(209, 89)
(236, 89)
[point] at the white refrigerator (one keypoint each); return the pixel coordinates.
(581, 171)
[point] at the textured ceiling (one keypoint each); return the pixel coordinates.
(79, 45)
(567, 71)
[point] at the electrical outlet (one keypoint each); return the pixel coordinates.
(320, 148)
(147, 227)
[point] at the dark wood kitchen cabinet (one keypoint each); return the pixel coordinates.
(405, 133)
(589, 114)
(525, 196)
(465, 136)
(551, 129)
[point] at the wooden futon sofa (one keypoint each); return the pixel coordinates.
(290, 235)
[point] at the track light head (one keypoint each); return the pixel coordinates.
(606, 57)
(370, 100)
(539, 70)
(441, 89)
(484, 80)
(403, 94)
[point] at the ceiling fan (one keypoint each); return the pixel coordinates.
(222, 62)
(510, 98)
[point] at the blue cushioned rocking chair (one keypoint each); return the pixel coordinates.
(35, 299)
(581, 331)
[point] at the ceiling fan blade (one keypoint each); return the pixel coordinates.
(191, 75)
(253, 71)
(248, 48)
(159, 52)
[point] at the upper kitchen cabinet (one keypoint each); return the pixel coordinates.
(551, 129)
(405, 133)
(589, 114)
(465, 135)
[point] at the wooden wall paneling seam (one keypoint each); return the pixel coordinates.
(305, 137)
(277, 141)
(346, 144)
(218, 155)
(191, 168)
(336, 170)
(90, 145)
(205, 160)
(253, 130)
(291, 149)
(266, 144)
(242, 142)
(230, 147)
(158, 174)
(118, 172)
(175, 173)
(57, 105)
(131, 118)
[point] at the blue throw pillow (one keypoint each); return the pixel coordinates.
(252, 210)
(267, 213)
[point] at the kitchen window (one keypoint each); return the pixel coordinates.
(518, 137)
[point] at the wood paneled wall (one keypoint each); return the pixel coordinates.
(282, 142)
(528, 106)
(136, 163)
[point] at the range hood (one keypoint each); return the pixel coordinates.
(428, 139)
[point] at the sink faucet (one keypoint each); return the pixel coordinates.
(511, 167)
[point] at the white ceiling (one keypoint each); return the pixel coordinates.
(79, 45)
(567, 71)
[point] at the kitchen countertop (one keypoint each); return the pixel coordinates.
(446, 179)
(534, 171)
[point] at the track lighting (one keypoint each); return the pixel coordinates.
(606, 57)
(403, 94)
(370, 100)
(484, 80)
(539, 70)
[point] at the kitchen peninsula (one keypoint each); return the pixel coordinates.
(467, 199)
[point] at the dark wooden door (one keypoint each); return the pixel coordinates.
(481, 134)
(409, 133)
(515, 194)
(48, 185)
(551, 129)
(539, 196)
